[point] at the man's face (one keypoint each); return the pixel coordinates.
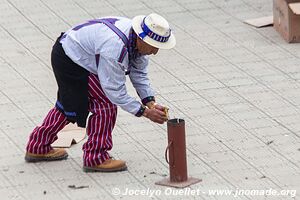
(144, 48)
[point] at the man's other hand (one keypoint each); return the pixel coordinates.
(156, 114)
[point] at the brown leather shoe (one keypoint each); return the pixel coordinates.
(54, 154)
(109, 165)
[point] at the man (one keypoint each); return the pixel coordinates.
(90, 63)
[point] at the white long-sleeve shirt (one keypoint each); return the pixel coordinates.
(97, 48)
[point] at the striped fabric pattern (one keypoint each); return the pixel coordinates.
(99, 130)
(100, 125)
(44, 135)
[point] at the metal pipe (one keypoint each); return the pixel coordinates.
(177, 150)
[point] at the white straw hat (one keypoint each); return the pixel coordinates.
(154, 30)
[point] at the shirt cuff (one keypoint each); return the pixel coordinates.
(141, 111)
(148, 99)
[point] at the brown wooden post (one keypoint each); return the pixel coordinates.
(177, 156)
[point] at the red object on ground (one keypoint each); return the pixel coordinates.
(177, 156)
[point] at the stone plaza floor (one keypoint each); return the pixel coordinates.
(237, 88)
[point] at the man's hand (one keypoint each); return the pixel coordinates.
(156, 114)
(150, 104)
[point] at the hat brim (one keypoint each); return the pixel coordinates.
(136, 25)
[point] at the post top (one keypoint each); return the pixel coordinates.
(175, 121)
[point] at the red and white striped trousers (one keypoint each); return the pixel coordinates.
(99, 129)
